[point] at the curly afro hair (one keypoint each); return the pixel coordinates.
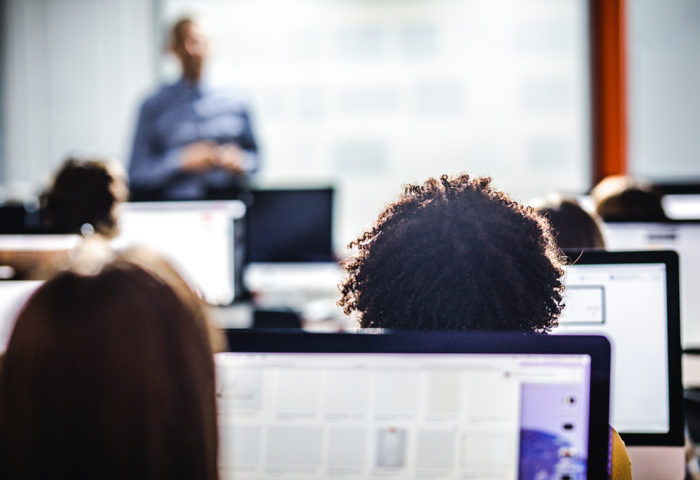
(455, 254)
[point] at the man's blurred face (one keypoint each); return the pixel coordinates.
(191, 47)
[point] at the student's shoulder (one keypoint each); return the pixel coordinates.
(621, 467)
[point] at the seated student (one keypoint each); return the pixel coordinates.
(155, 263)
(572, 226)
(619, 198)
(84, 195)
(96, 249)
(108, 375)
(82, 199)
(457, 254)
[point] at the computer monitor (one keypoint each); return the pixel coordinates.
(289, 225)
(34, 256)
(684, 238)
(39, 242)
(13, 295)
(682, 206)
(200, 239)
(18, 218)
(632, 298)
(413, 405)
(677, 206)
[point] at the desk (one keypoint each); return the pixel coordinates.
(310, 289)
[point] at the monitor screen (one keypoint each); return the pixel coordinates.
(682, 206)
(605, 299)
(684, 238)
(403, 415)
(39, 242)
(290, 226)
(630, 301)
(197, 238)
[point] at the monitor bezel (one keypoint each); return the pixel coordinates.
(596, 347)
(675, 435)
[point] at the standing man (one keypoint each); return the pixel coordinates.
(192, 141)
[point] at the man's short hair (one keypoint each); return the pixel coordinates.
(176, 33)
(455, 254)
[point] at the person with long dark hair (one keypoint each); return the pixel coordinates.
(108, 374)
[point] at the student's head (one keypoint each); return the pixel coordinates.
(108, 375)
(619, 198)
(156, 263)
(85, 193)
(190, 44)
(455, 254)
(571, 225)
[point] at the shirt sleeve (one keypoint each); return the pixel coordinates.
(149, 169)
(251, 161)
(621, 467)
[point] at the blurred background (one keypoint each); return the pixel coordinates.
(364, 95)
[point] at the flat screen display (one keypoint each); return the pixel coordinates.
(682, 237)
(290, 226)
(632, 299)
(197, 238)
(399, 415)
(626, 303)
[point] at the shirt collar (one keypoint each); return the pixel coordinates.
(201, 87)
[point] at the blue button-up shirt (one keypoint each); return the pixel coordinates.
(173, 118)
